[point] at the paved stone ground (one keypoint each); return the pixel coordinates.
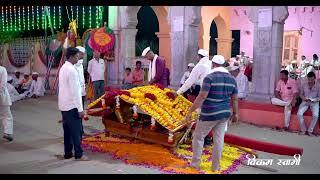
(38, 137)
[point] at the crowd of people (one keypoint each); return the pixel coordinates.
(158, 72)
(13, 89)
(300, 71)
(25, 87)
(215, 84)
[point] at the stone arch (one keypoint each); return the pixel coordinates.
(221, 26)
(221, 17)
(164, 27)
(224, 37)
(147, 27)
(213, 35)
(164, 33)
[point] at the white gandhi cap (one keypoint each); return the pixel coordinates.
(81, 49)
(190, 65)
(145, 51)
(35, 73)
(203, 52)
(218, 59)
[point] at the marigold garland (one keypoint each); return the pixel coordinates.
(157, 156)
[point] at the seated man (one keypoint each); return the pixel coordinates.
(14, 95)
(307, 68)
(37, 87)
(242, 82)
(292, 69)
(185, 77)
(286, 94)
(25, 84)
(138, 75)
(127, 80)
(310, 95)
(16, 79)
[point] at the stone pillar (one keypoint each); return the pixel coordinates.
(123, 20)
(206, 42)
(224, 47)
(164, 47)
(113, 66)
(267, 53)
(184, 34)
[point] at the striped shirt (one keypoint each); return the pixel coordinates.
(221, 86)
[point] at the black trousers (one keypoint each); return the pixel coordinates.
(192, 91)
(82, 131)
(72, 133)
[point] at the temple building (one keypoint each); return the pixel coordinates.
(272, 35)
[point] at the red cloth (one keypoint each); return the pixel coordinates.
(262, 146)
(248, 72)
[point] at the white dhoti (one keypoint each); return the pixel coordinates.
(287, 109)
(6, 118)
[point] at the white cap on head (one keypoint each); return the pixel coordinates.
(251, 61)
(25, 74)
(218, 59)
(294, 62)
(35, 73)
(145, 51)
(233, 68)
(9, 78)
(81, 49)
(190, 65)
(203, 52)
(307, 61)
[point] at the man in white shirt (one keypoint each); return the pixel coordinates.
(79, 68)
(302, 62)
(187, 73)
(14, 95)
(25, 83)
(37, 87)
(16, 79)
(96, 69)
(70, 105)
(185, 77)
(242, 82)
(198, 73)
(291, 68)
(307, 68)
(5, 103)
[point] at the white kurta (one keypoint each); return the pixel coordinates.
(290, 68)
(27, 85)
(185, 77)
(243, 85)
(16, 81)
(36, 88)
(5, 99)
(306, 71)
(198, 73)
(14, 95)
(5, 103)
(79, 68)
